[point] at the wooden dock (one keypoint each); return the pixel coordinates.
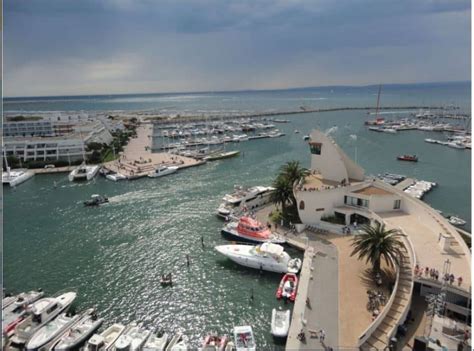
(405, 183)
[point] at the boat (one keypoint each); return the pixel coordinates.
(244, 198)
(106, 339)
(14, 177)
(410, 158)
(288, 287)
(456, 145)
(115, 177)
(156, 342)
(221, 155)
(174, 340)
(230, 346)
(375, 129)
(15, 309)
(79, 332)
(51, 330)
(306, 137)
(40, 313)
(244, 339)
(162, 171)
(432, 141)
(213, 342)
(267, 256)
(388, 130)
(459, 222)
(182, 345)
(132, 339)
(297, 131)
(83, 172)
(280, 323)
(166, 279)
(96, 200)
(281, 121)
(250, 230)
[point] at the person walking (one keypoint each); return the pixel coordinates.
(322, 335)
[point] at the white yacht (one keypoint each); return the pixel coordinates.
(269, 257)
(106, 339)
(40, 313)
(456, 145)
(249, 198)
(14, 310)
(14, 177)
(244, 339)
(132, 339)
(156, 342)
(79, 332)
(280, 323)
(162, 171)
(51, 330)
(84, 172)
(459, 222)
(115, 177)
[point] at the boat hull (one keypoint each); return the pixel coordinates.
(235, 236)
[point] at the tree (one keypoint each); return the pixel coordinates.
(293, 171)
(377, 243)
(283, 193)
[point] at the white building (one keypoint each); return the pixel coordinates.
(337, 195)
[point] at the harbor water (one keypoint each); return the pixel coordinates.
(115, 254)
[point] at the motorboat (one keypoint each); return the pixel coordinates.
(182, 345)
(40, 313)
(297, 131)
(166, 279)
(162, 171)
(280, 323)
(432, 141)
(175, 339)
(250, 230)
(410, 158)
(96, 200)
(106, 339)
(245, 199)
(213, 342)
(288, 287)
(51, 330)
(79, 332)
(83, 172)
(222, 155)
(244, 339)
(15, 309)
(132, 339)
(230, 346)
(14, 177)
(115, 177)
(388, 130)
(306, 137)
(459, 222)
(456, 145)
(156, 342)
(267, 256)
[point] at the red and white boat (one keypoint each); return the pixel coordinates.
(288, 287)
(213, 342)
(410, 158)
(250, 230)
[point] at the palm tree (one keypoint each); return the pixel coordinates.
(293, 171)
(283, 192)
(377, 243)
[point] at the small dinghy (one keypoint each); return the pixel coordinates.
(213, 342)
(180, 346)
(459, 222)
(174, 340)
(288, 287)
(280, 323)
(106, 339)
(156, 342)
(79, 332)
(132, 338)
(96, 200)
(244, 339)
(166, 279)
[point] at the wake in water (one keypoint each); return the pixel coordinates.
(331, 130)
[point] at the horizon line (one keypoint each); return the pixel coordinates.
(240, 90)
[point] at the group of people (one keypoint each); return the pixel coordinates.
(434, 274)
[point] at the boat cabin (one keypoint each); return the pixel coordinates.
(95, 343)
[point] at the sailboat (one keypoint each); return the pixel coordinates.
(84, 172)
(378, 120)
(14, 177)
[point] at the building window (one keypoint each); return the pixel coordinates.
(301, 205)
(355, 201)
(396, 204)
(315, 148)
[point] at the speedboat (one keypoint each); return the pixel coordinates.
(456, 145)
(221, 155)
(244, 339)
(230, 346)
(213, 342)
(459, 222)
(15, 310)
(96, 200)
(40, 313)
(410, 158)
(83, 172)
(249, 199)
(156, 342)
(288, 287)
(79, 332)
(162, 171)
(250, 230)
(180, 346)
(432, 141)
(132, 338)
(389, 130)
(174, 340)
(280, 322)
(115, 177)
(267, 256)
(51, 330)
(106, 339)
(306, 137)
(14, 177)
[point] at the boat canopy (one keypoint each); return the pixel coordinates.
(272, 249)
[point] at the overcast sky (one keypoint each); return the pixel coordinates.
(61, 47)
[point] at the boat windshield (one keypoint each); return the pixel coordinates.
(244, 340)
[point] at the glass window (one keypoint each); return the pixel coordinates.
(301, 205)
(315, 148)
(396, 204)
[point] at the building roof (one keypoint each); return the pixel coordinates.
(372, 190)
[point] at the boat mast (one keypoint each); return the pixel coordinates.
(378, 103)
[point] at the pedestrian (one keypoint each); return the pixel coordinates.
(322, 335)
(459, 281)
(426, 271)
